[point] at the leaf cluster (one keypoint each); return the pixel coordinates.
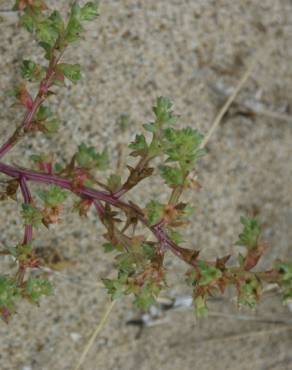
(53, 197)
(251, 232)
(138, 274)
(87, 157)
(10, 293)
(285, 270)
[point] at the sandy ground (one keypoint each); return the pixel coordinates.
(194, 51)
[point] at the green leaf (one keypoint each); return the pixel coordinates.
(37, 287)
(46, 32)
(249, 293)
(76, 10)
(172, 175)
(47, 48)
(108, 247)
(31, 215)
(126, 263)
(285, 268)
(116, 287)
(9, 294)
(208, 273)
(251, 232)
(71, 71)
(27, 21)
(74, 27)
(53, 197)
(187, 212)
(38, 158)
(43, 113)
(58, 167)
(51, 127)
(89, 12)
(23, 252)
(183, 146)
(32, 71)
(163, 112)
(57, 21)
(139, 146)
(146, 296)
(154, 211)
(27, 69)
(88, 158)
(45, 117)
(150, 127)
(114, 182)
(164, 117)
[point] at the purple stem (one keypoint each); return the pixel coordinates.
(28, 118)
(5, 148)
(100, 209)
(96, 195)
(45, 178)
(41, 96)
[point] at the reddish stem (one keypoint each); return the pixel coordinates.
(97, 195)
(41, 96)
(100, 209)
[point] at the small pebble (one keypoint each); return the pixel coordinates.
(75, 337)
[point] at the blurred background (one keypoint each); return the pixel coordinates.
(195, 52)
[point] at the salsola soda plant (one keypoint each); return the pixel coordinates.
(139, 260)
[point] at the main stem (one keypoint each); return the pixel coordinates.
(100, 196)
(23, 175)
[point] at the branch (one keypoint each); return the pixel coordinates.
(86, 192)
(166, 243)
(41, 96)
